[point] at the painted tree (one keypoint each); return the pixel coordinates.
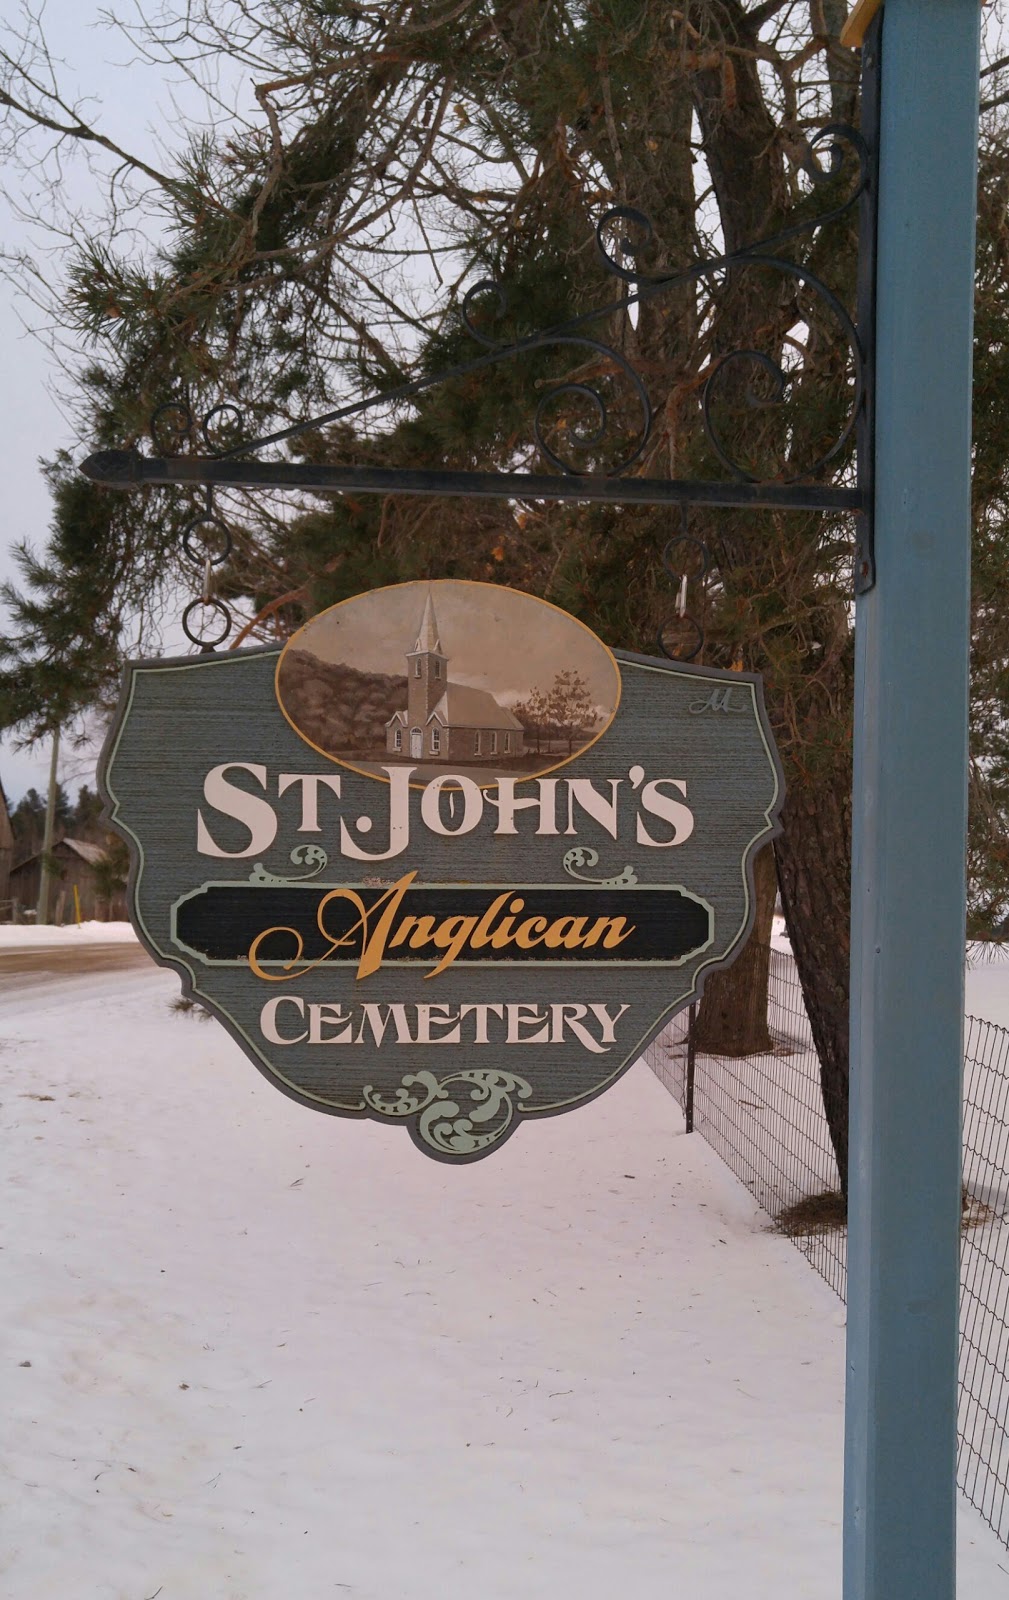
(570, 708)
(318, 247)
(534, 714)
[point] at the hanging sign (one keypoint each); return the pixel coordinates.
(444, 860)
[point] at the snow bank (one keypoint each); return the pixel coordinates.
(251, 1351)
(988, 992)
(19, 935)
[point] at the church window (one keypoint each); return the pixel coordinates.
(436, 741)
(493, 744)
(397, 739)
(416, 668)
(437, 668)
(477, 743)
(507, 744)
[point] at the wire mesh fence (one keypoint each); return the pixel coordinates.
(984, 1276)
(763, 1115)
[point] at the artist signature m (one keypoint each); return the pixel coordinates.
(720, 699)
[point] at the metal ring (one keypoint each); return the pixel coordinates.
(486, 286)
(197, 639)
(207, 520)
(698, 544)
(684, 654)
(629, 217)
(226, 407)
(582, 440)
(183, 431)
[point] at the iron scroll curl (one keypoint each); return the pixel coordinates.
(574, 332)
(636, 232)
(842, 139)
(589, 394)
(592, 426)
(780, 380)
(633, 232)
(174, 425)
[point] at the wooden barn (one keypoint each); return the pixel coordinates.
(76, 860)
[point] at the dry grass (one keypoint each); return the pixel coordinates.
(975, 1213)
(816, 1213)
(185, 1007)
(827, 1212)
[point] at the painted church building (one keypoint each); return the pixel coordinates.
(445, 721)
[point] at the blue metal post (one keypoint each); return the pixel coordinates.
(910, 819)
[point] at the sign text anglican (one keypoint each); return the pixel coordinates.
(444, 859)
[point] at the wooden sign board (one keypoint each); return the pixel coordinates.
(444, 859)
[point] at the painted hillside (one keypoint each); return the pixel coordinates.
(337, 707)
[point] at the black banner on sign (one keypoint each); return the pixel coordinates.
(442, 781)
(371, 926)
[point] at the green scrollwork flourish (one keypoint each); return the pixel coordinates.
(303, 855)
(442, 1121)
(585, 856)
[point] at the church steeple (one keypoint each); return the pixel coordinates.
(427, 668)
(427, 633)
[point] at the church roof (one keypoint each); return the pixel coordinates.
(463, 707)
(427, 633)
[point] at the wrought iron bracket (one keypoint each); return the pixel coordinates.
(128, 469)
(617, 404)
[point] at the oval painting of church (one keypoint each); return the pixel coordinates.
(448, 677)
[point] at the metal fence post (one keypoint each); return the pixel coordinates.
(909, 825)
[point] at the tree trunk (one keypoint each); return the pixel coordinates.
(809, 707)
(814, 871)
(732, 1015)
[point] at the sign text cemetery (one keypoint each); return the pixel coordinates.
(444, 859)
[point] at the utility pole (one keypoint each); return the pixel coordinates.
(42, 914)
(910, 788)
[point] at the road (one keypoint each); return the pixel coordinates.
(43, 963)
(61, 974)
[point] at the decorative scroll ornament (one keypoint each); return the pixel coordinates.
(585, 856)
(175, 428)
(596, 423)
(560, 438)
(438, 1104)
(618, 225)
(303, 855)
(599, 420)
(625, 233)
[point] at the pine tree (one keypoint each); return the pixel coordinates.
(28, 820)
(322, 252)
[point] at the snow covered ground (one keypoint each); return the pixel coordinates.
(253, 1353)
(988, 983)
(25, 935)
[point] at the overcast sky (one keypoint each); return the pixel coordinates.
(137, 107)
(133, 104)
